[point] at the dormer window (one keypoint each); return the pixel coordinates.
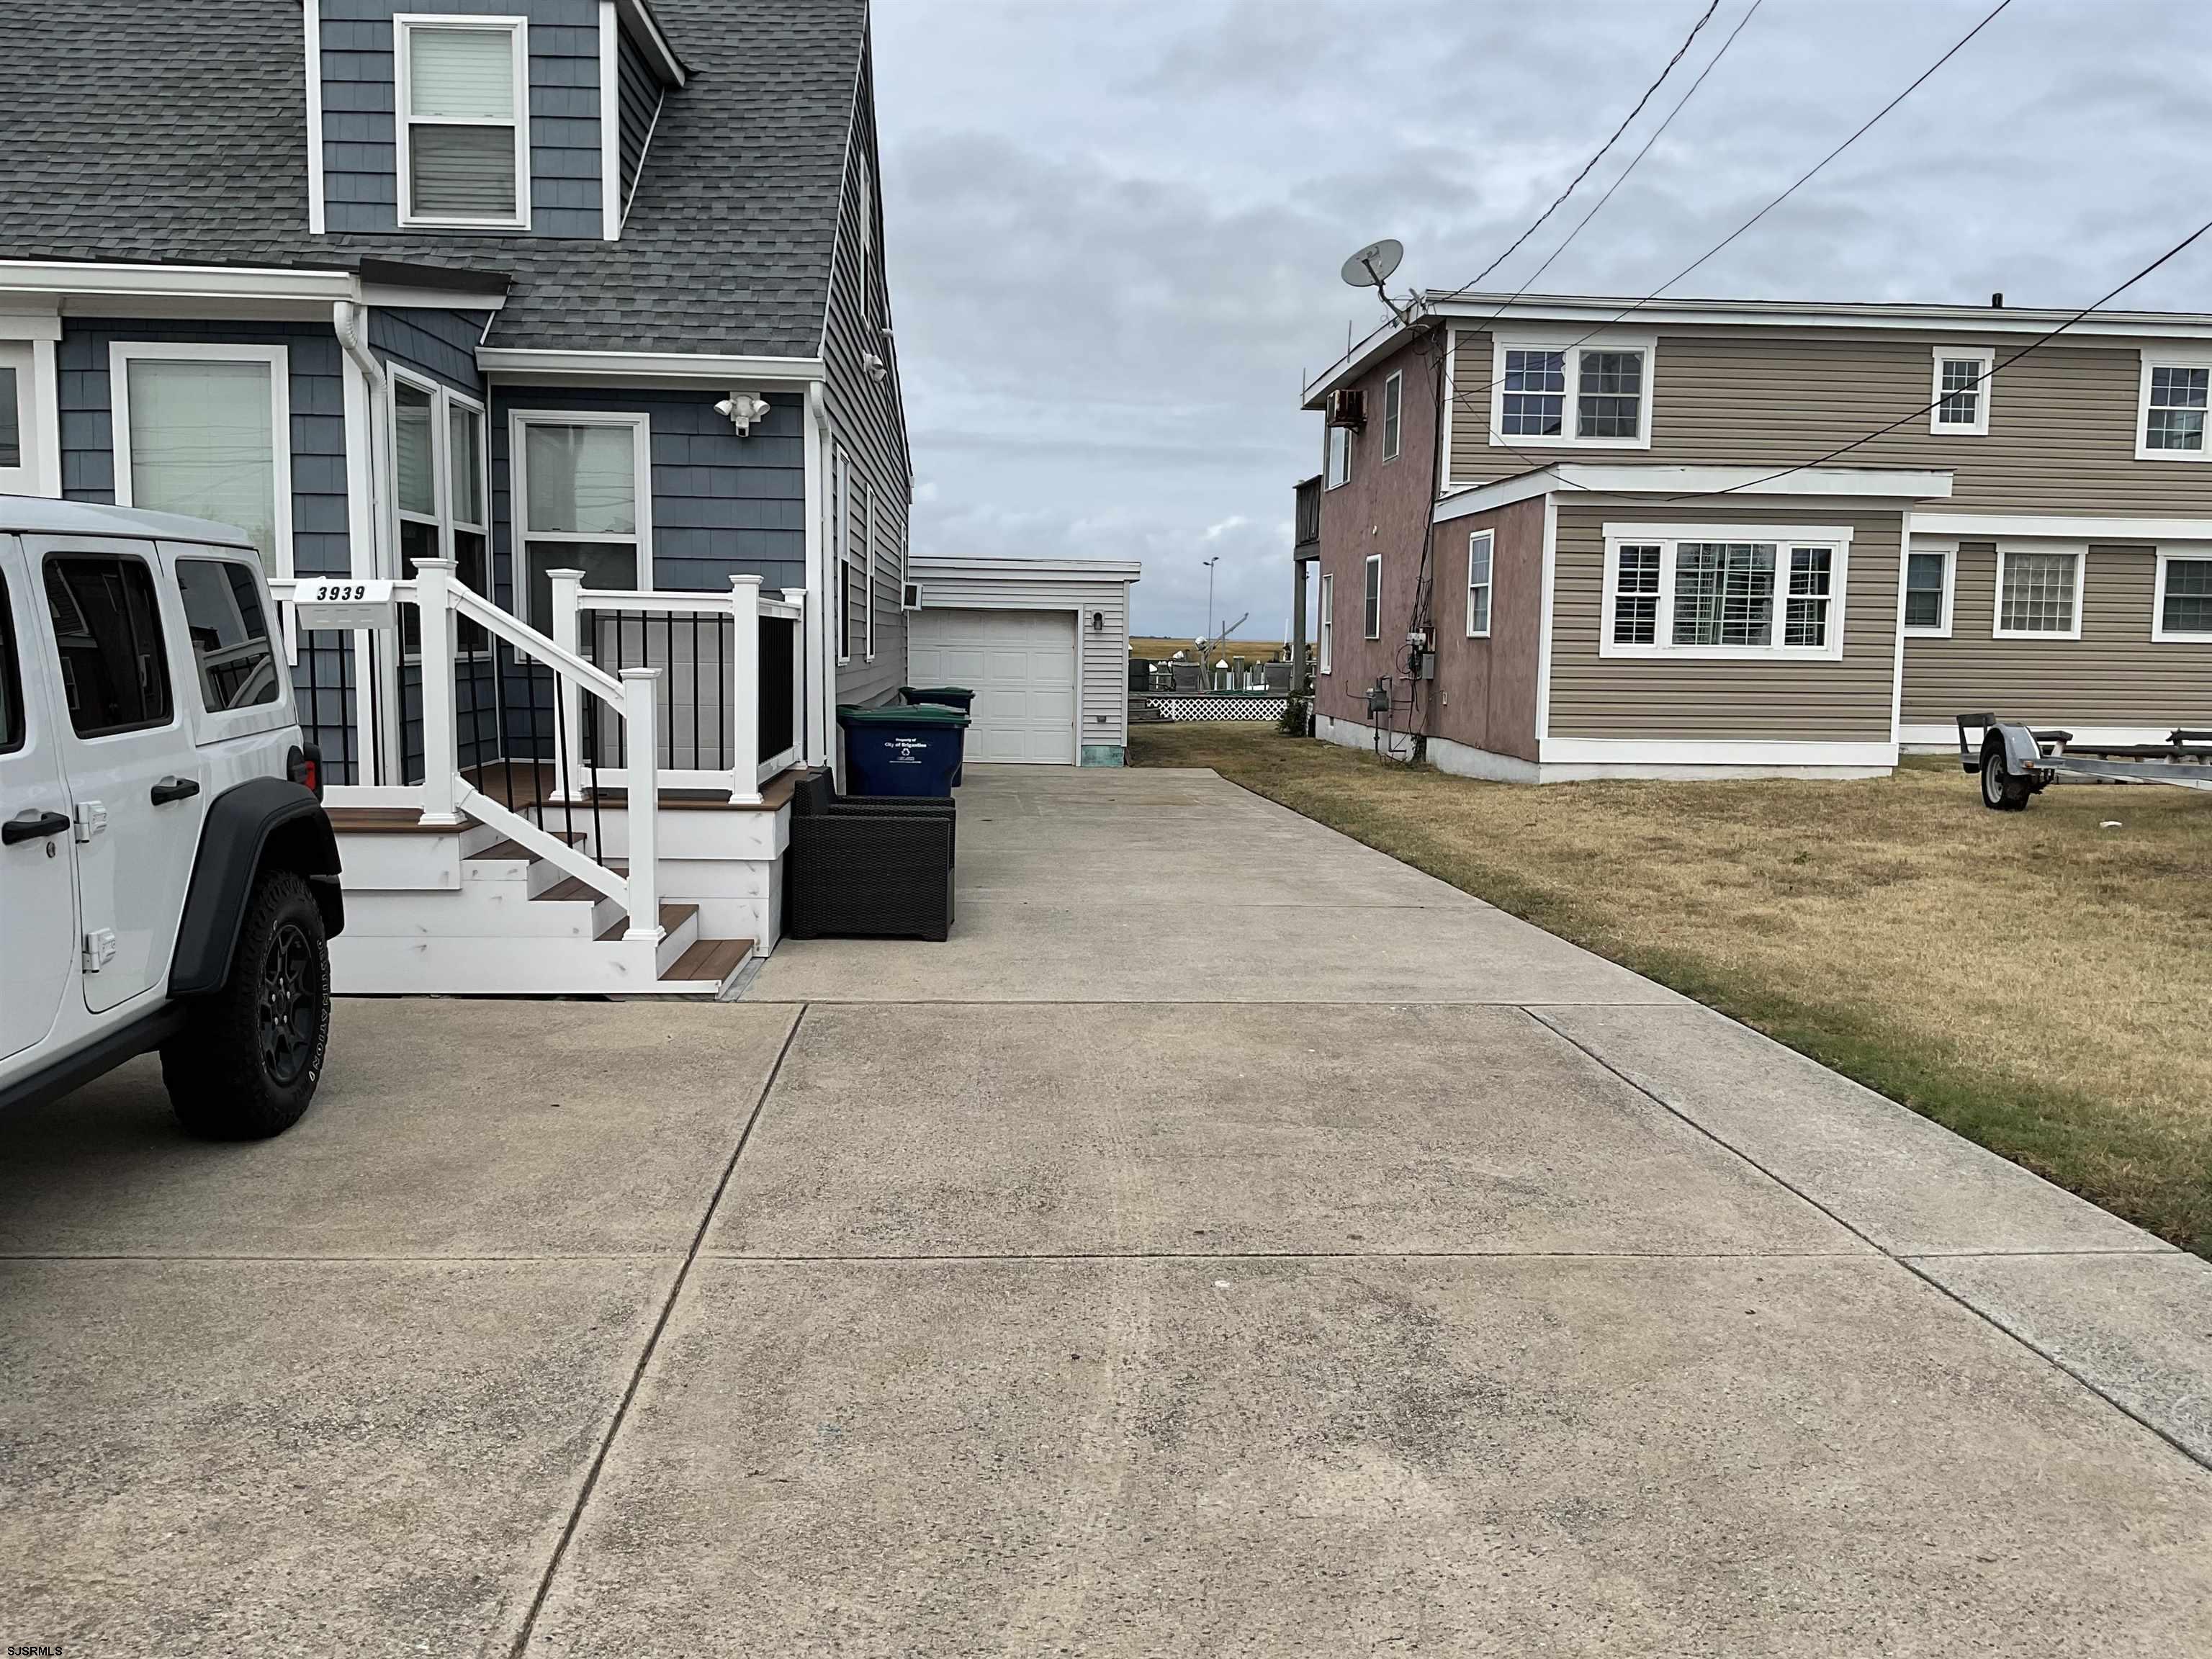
(464, 125)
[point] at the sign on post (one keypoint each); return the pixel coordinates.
(341, 602)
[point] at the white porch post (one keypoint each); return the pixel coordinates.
(640, 687)
(744, 692)
(432, 578)
(568, 761)
(800, 718)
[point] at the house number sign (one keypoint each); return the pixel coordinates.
(345, 602)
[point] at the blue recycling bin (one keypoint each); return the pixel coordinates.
(952, 696)
(903, 750)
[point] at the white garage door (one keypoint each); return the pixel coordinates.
(1022, 664)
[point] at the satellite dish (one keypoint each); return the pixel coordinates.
(1371, 266)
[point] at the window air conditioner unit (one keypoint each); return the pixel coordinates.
(1347, 406)
(910, 596)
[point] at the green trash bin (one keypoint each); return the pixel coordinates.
(950, 697)
(901, 750)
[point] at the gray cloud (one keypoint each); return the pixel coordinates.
(1114, 225)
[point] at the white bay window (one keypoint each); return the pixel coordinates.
(1725, 591)
(205, 430)
(464, 128)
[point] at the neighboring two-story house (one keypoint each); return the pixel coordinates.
(1628, 547)
(462, 293)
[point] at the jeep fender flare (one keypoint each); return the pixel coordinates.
(261, 823)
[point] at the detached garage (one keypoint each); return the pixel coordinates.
(1044, 642)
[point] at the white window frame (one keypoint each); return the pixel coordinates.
(2169, 357)
(867, 232)
(1488, 585)
(2080, 553)
(868, 570)
(1985, 358)
(1394, 415)
(26, 477)
(1837, 538)
(1328, 621)
(517, 30)
(1575, 348)
(121, 354)
(1949, 552)
(1374, 563)
(841, 508)
(518, 451)
(1330, 480)
(2159, 631)
(443, 399)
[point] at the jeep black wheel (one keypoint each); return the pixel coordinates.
(247, 1064)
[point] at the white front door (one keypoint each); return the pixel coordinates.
(137, 787)
(38, 908)
(1021, 666)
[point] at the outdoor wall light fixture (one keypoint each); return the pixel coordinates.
(1098, 622)
(744, 411)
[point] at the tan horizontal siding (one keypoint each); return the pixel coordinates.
(2061, 434)
(1104, 653)
(2114, 675)
(1847, 701)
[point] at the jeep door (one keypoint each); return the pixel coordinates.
(133, 772)
(38, 906)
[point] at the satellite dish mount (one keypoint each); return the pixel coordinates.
(1372, 266)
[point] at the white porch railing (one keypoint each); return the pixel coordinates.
(742, 721)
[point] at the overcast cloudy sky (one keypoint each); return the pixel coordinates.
(1114, 226)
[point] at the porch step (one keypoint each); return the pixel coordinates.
(575, 887)
(515, 849)
(709, 964)
(672, 917)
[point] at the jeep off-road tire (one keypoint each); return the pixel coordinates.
(246, 1063)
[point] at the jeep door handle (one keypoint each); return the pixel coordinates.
(29, 825)
(171, 789)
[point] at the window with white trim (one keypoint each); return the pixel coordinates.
(2170, 420)
(1327, 623)
(1724, 591)
(2038, 593)
(1928, 593)
(2185, 597)
(1370, 614)
(1479, 547)
(1593, 393)
(14, 380)
(868, 569)
(585, 494)
(840, 528)
(463, 91)
(439, 488)
(206, 430)
(1960, 400)
(1338, 469)
(1394, 409)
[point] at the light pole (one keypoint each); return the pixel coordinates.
(1210, 563)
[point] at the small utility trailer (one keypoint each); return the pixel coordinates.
(2016, 762)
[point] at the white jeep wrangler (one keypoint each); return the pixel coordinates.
(168, 878)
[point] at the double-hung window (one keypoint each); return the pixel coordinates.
(840, 527)
(1479, 546)
(587, 501)
(2038, 592)
(1928, 593)
(1337, 467)
(1370, 614)
(2185, 597)
(1958, 403)
(1570, 393)
(462, 87)
(2177, 386)
(1724, 591)
(439, 490)
(206, 430)
(868, 569)
(1327, 623)
(1394, 414)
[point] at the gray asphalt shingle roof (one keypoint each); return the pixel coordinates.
(174, 131)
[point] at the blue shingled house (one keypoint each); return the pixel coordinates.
(568, 319)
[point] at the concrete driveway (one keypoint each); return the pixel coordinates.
(1231, 1243)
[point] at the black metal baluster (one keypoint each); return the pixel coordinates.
(560, 763)
(697, 760)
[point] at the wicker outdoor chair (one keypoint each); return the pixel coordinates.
(867, 867)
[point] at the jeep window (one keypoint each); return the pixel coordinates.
(230, 638)
(107, 626)
(11, 678)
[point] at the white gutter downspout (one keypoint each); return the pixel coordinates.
(368, 394)
(820, 591)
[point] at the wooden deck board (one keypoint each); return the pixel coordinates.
(710, 960)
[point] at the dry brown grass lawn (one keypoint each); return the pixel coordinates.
(2037, 982)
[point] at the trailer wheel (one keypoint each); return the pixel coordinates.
(2001, 791)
